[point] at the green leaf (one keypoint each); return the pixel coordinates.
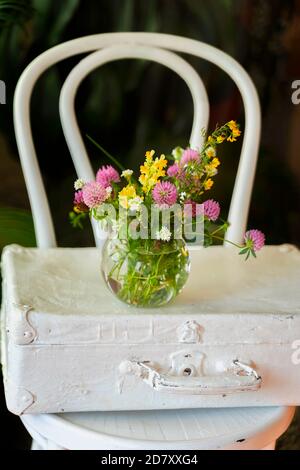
(15, 12)
(126, 19)
(16, 226)
(113, 159)
(65, 14)
(77, 219)
(52, 18)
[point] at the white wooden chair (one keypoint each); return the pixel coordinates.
(223, 428)
(239, 207)
(238, 428)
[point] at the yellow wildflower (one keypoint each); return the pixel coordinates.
(160, 163)
(143, 180)
(210, 170)
(149, 155)
(220, 139)
(152, 170)
(232, 125)
(215, 162)
(208, 184)
(235, 131)
(210, 152)
(210, 139)
(126, 194)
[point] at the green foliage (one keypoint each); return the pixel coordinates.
(106, 153)
(53, 17)
(16, 226)
(247, 251)
(77, 219)
(15, 12)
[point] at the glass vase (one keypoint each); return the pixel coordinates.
(145, 273)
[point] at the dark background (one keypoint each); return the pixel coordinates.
(133, 105)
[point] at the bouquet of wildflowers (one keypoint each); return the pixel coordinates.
(151, 219)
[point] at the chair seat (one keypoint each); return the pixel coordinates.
(230, 428)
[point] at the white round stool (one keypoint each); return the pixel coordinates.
(197, 429)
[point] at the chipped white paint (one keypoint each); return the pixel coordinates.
(21, 331)
(189, 332)
(249, 311)
(22, 399)
(187, 363)
(244, 379)
(287, 248)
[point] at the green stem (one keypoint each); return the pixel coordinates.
(148, 288)
(218, 229)
(228, 241)
(113, 159)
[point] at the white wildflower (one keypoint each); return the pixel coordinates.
(135, 203)
(126, 174)
(177, 153)
(164, 234)
(108, 191)
(79, 184)
(182, 196)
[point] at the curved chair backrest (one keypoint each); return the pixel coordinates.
(244, 180)
(68, 93)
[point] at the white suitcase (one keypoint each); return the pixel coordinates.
(232, 337)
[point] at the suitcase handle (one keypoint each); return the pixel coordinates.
(242, 379)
